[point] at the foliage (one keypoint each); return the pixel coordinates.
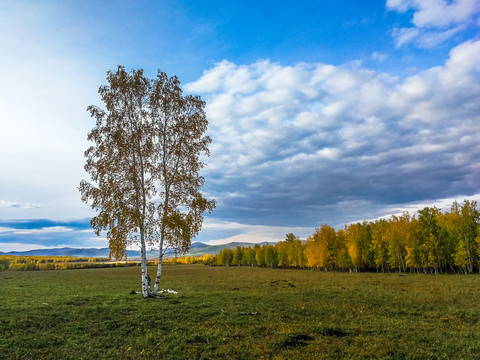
(434, 242)
(32, 263)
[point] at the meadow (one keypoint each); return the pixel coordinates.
(238, 313)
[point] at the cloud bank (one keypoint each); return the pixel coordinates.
(434, 21)
(311, 143)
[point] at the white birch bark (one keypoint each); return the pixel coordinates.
(159, 274)
(143, 254)
(159, 268)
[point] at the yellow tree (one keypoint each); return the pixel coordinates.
(144, 166)
(207, 258)
(249, 257)
(341, 257)
(259, 255)
(299, 251)
(352, 240)
(416, 247)
(238, 256)
(292, 247)
(317, 247)
(358, 241)
(396, 236)
(282, 253)
(477, 241)
(461, 225)
(379, 245)
(434, 238)
(469, 222)
(226, 257)
(446, 239)
(271, 259)
(313, 252)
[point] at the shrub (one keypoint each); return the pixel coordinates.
(4, 264)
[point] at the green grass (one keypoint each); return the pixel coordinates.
(238, 313)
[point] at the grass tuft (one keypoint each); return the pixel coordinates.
(331, 331)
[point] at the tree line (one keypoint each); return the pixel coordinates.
(429, 242)
(32, 263)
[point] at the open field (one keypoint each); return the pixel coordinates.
(238, 313)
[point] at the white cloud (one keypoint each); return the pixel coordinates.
(434, 21)
(15, 204)
(249, 237)
(7, 230)
(433, 38)
(43, 230)
(379, 56)
(7, 247)
(405, 35)
(440, 13)
(252, 233)
(443, 205)
(436, 13)
(344, 133)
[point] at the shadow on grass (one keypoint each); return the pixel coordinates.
(294, 340)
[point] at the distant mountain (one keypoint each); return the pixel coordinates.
(75, 252)
(196, 249)
(66, 251)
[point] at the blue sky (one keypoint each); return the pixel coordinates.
(320, 112)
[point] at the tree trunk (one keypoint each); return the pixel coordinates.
(143, 254)
(159, 269)
(162, 238)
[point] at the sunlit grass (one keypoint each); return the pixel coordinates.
(239, 313)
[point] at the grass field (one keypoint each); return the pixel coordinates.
(238, 313)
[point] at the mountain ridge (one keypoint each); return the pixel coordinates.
(196, 249)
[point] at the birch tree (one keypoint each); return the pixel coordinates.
(318, 246)
(144, 166)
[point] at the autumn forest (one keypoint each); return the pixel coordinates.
(429, 242)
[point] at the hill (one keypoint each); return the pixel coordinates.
(196, 249)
